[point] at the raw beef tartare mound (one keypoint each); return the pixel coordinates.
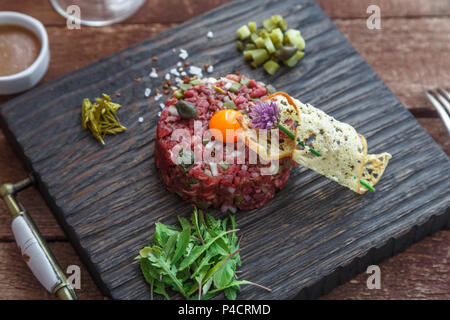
(225, 185)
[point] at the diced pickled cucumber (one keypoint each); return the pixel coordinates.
(229, 104)
(178, 94)
(276, 19)
(285, 52)
(268, 25)
(245, 81)
(248, 54)
(264, 34)
(301, 44)
(253, 37)
(185, 86)
(260, 43)
(283, 24)
(259, 56)
(276, 35)
(292, 61)
(277, 45)
(235, 87)
(243, 32)
(292, 37)
(271, 67)
(269, 45)
(196, 82)
(239, 45)
(250, 46)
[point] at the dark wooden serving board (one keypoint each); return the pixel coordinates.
(312, 236)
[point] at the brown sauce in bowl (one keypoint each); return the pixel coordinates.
(19, 47)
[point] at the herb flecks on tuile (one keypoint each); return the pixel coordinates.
(198, 260)
(101, 117)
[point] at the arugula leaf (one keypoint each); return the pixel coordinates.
(221, 245)
(163, 232)
(184, 223)
(206, 261)
(147, 270)
(197, 260)
(213, 270)
(237, 283)
(170, 244)
(207, 285)
(231, 293)
(196, 224)
(160, 288)
(197, 251)
(155, 256)
(182, 243)
(224, 275)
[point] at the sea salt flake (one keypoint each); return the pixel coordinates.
(179, 64)
(183, 74)
(183, 54)
(174, 72)
(158, 96)
(167, 76)
(210, 35)
(147, 92)
(153, 74)
(141, 119)
(159, 114)
(210, 69)
(162, 105)
(178, 80)
(196, 71)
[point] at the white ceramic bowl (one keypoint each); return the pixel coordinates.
(29, 77)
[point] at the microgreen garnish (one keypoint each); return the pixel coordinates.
(198, 261)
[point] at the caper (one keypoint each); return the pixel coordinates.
(186, 109)
(285, 52)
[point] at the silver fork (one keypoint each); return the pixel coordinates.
(440, 99)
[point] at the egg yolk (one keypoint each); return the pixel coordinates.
(226, 120)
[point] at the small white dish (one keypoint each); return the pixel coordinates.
(29, 77)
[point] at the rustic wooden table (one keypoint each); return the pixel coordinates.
(411, 53)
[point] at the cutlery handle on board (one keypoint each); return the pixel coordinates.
(33, 247)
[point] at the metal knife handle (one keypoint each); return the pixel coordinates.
(33, 246)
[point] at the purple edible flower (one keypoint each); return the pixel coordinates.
(264, 115)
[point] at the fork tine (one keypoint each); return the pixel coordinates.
(440, 109)
(446, 94)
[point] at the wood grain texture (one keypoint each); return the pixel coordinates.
(421, 66)
(351, 9)
(164, 11)
(425, 276)
(86, 58)
(154, 11)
